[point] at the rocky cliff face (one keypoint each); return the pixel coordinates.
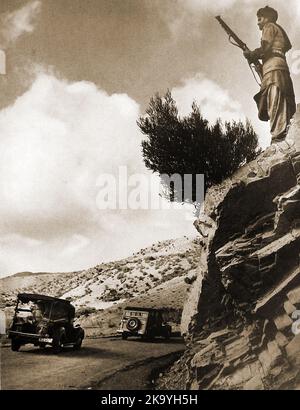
(240, 318)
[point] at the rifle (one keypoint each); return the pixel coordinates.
(257, 66)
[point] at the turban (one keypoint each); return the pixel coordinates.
(269, 13)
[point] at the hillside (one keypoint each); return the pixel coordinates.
(154, 276)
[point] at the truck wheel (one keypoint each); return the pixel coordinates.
(78, 343)
(58, 341)
(124, 336)
(15, 346)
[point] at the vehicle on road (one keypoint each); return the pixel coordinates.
(145, 322)
(44, 320)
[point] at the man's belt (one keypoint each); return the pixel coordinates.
(278, 53)
(274, 53)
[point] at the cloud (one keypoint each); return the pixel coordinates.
(18, 22)
(214, 101)
(56, 140)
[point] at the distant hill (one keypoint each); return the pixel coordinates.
(152, 277)
(25, 274)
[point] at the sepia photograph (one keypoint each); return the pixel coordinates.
(149, 198)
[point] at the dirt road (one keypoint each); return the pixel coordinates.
(98, 361)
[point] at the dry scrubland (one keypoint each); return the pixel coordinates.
(156, 276)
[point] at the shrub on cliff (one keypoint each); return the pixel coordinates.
(190, 145)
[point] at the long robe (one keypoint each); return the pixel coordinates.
(276, 99)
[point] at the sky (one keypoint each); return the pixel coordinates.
(79, 73)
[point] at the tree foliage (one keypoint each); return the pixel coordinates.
(190, 145)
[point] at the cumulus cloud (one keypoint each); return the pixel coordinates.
(20, 21)
(214, 101)
(56, 140)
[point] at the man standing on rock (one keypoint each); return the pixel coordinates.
(276, 99)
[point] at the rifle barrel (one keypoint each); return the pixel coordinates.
(238, 42)
(232, 34)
